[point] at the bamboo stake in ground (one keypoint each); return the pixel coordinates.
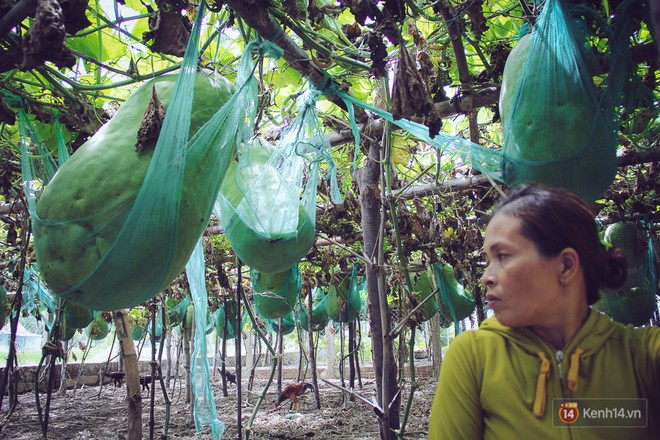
(237, 351)
(312, 351)
(130, 361)
(271, 350)
(413, 383)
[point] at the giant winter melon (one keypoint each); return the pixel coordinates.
(263, 218)
(554, 134)
(84, 206)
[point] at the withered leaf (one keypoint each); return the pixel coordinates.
(152, 122)
(45, 39)
(169, 31)
(410, 97)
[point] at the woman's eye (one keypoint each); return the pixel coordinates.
(502, 256)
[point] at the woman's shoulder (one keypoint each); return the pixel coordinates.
(489, 331)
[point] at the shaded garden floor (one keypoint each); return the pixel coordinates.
(88, 414)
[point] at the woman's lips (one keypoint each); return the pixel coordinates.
(492, 300)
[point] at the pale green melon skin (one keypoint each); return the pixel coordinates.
(552, 146)
(275, 296)
(272, 252)
(83, 207)
(77, 316)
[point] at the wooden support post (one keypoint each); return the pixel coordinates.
(130, 360)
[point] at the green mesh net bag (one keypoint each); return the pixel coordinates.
(636, 301)
(275, 299)
(344, 301)
(455, 302)
(98, 329)
(137, 322)
(320, 315)
(205, 413)
(176, 309)
(267, 202)
(219, 318)
(161, 325)
(77, 316)
(226, 312)
(288, 324)
(557, 130)
(114, 226)
(424, 288)
(38, 300)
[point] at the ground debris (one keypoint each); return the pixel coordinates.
(90, 416)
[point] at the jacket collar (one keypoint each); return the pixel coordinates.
(590, 337)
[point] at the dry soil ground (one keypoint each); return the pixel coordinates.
(93, 413)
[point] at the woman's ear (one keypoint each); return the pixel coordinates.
(570, 264)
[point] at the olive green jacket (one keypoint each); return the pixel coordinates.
(508, 383)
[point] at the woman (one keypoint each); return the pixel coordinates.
(547, 366)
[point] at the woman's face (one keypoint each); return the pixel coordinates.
(523, 286)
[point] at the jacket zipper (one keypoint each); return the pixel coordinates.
(559, 356)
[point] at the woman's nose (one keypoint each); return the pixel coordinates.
(487, 278)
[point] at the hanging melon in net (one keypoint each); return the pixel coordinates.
(267, 202)
(276, 302)
(77, 316)
(98, 329)
(288, 324)
(86, 204)
(344, 302)
(636, 301)
(556, 130)
(176, 309)
(423, 288)
(263, 217)
(320, 315)
(456, 303)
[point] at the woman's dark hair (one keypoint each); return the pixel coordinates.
(555, 219)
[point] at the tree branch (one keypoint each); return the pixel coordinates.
(16, 15)
(259, 19)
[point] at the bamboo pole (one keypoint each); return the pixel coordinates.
(130, 361)
(271, 350)
(312, 350)
(237, 350)
(413, 384)
(152, 404)
(52, 349)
